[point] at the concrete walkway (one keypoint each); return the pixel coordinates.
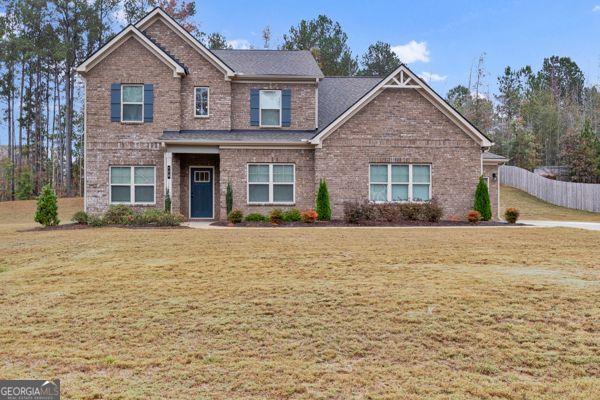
(592, 226)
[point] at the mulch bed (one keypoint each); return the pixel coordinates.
(340, 223)
(72, 227)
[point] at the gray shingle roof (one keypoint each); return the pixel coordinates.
(238, 135)
(491, 156)
(337, 94)
(270, 62)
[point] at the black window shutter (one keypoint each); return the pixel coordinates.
(115, 102)
(148, 102)
(286, 107)
(254, 107)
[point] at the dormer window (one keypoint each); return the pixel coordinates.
(132, 103)
(270, 108)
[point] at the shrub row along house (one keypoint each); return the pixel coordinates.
(164, 114)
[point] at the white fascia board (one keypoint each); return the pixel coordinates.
(113, 44)
(186, 36)
(432, 96)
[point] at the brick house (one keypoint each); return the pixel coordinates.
(164, 113)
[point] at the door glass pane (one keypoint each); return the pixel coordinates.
(120, 175)
(144, 175)
(120, 194)
(270, 99)
(400, 173)
(132, 112)
(269, 117)
(258, 193)
(144, 194)
(201, 101)
(283, 193)
(399, 192)
(133, 94)
(283, 173)
(258, 173)
(421, 173)
(378, 193)
(420, 192)
(379, 173)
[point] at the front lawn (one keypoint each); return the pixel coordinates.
(440, 313)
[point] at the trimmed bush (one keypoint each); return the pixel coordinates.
(292, 215)
(275, 216)
(482, 200)
(229, 198)
(95, 221)
(511, 215)
(235, 216)
(47, 208)
(432, 211)
(392, 212)
(355, 212)
(255, 217)
(167, 202)
(80, 217)
(309, 216)
(118, 215)
(323, 206)
(474, 216)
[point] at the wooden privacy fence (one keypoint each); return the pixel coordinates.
(581, 196)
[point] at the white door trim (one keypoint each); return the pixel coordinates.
(190, 190)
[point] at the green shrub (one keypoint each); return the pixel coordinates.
(511, 215)
(168, 219)
(482, 200)
(167, 201)
(80, 217)
(431, 211)
(255, 217)
(309, 216)
(276, 216)
(24, 185)
(474, 216)
(118, 214)
(392, 212)
(235, 216)
(148, 216)
(292, 215)
(95, 221)
(47, 208)
(323, 206)
(229, 198)
(355, 212)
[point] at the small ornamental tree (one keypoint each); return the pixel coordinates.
(167, 202)
(323, 207)
(47, 208)
(482, 200)
(229, 198)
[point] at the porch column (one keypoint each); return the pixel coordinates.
(175, 183)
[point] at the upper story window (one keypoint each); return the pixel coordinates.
(399, 182)
(270, 108)
(201, 102)
(132, 103)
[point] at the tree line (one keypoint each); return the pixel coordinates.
(547, 117)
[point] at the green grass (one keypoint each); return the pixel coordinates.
(491, 313)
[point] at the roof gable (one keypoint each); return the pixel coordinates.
(403, 79)
(131, 32)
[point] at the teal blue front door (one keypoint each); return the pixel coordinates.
(201, 193)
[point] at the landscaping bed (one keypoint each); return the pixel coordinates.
(341, 223)
(77, 226)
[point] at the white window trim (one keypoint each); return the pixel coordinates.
(271, 184)
(260, 109)
(132, 102)
(131, 185)
(207, 102)
(409, 183)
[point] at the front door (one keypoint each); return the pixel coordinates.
(201, 193)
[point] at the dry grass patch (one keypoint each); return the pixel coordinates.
(536, 209)
(304, 313)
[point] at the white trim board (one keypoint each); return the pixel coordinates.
(130, 32)
(403, 78)
(190, 190)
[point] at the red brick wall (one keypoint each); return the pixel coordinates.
(400, 126)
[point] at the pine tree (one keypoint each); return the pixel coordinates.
(47, 207)
(323, 206)
(482, 200)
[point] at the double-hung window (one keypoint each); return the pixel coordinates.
(201, 102)
(270, 108)
(132, 185)
(271, 183)
(132, 103)
(399, 182)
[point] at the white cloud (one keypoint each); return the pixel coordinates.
(239, 44)
(596, 8)
(412, 51)
(431, 77)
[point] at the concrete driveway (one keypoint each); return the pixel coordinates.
(592, 226)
